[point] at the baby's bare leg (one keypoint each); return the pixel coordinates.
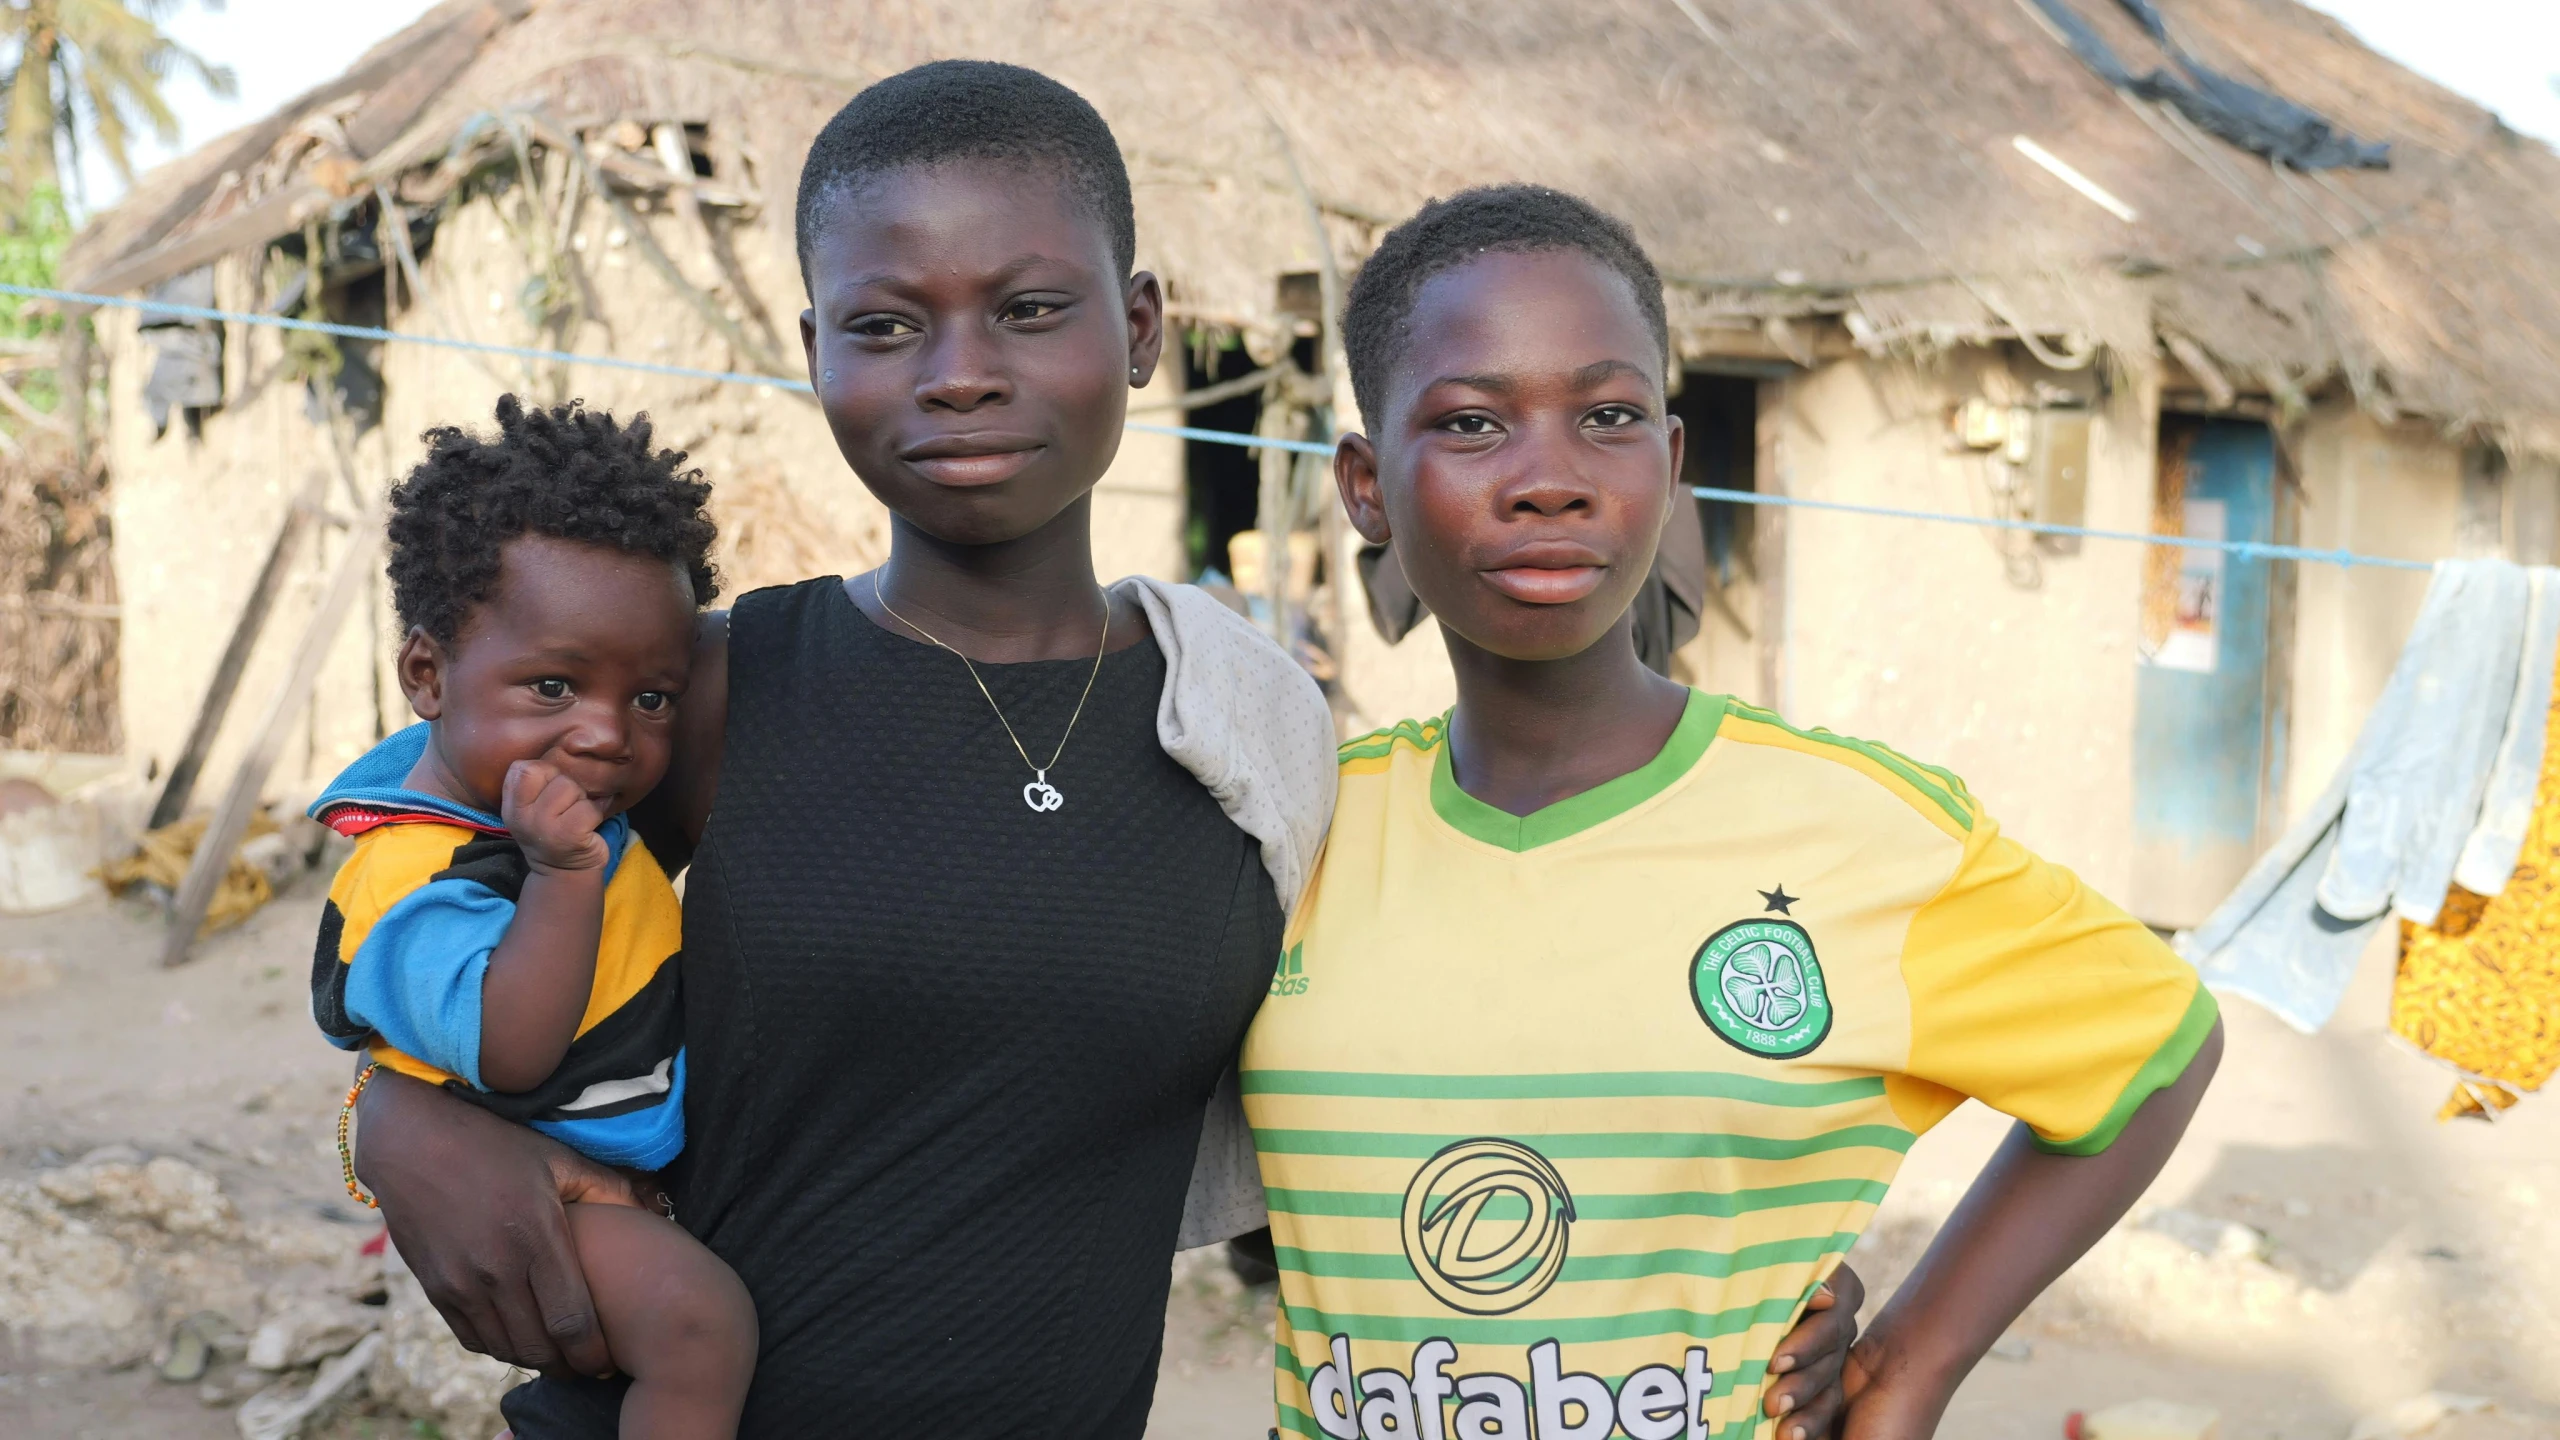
(679, 1323)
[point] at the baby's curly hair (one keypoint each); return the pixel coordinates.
(567, 472)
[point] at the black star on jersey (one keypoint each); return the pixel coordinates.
(1779, 900)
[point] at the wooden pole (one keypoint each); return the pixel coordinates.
(72, 377)
(221, 837)
(1769, 540)
(181, 784)
(1272, 509)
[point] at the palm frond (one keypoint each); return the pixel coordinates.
(113, 63)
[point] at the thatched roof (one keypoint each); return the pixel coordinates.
(1848, 161)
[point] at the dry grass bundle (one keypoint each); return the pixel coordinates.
(769, 535)
(58, 628)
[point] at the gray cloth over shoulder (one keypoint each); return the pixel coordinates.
(1244, 719)
(2437, 790)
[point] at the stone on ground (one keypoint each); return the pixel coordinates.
(2151, 1420)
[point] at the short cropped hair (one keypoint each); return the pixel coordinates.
(1444, 234)
(567, 472)
(969, 110)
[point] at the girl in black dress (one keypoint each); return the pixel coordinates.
(966, 952)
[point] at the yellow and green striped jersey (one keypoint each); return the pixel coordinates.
(1563, 1116)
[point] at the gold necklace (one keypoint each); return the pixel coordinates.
(1040, 795)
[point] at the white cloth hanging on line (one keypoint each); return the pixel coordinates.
(2429, 796)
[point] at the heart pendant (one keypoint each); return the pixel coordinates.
(1042, 796)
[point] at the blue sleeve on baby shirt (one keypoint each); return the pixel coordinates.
(416, 979)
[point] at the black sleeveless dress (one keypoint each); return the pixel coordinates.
(948, 1055)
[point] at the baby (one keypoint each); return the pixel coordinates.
(500, 930)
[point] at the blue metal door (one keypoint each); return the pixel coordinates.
(2201, 751)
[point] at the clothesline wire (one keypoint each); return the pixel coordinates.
(2243, 549)
(152, 309)
(2240, 549)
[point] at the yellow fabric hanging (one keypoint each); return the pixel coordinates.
(2480, 989)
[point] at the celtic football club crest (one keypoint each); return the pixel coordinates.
(1757, 984)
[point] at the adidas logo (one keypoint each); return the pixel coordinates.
(1291, 976)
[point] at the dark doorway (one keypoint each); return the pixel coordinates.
(1223, 482)
(1721, 414)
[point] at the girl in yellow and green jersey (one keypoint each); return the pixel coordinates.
(1613, 1006)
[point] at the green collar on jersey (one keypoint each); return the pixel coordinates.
(1576, 813)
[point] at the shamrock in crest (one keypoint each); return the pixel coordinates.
(1764, 982)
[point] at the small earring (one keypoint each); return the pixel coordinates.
(826, 374)
(1133, 372)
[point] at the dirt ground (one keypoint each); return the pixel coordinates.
(2399, 1255)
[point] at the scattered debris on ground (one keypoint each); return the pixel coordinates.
(117, 1260)
(2417, 1415)
(178, 1260)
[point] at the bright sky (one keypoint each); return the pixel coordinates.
(2502, 53)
